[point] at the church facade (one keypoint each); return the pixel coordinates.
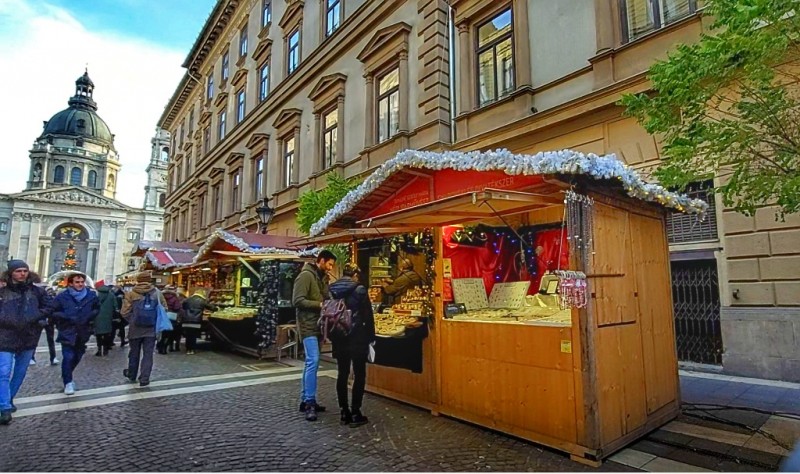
(69, 200)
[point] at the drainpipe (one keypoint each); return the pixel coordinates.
(451, 60)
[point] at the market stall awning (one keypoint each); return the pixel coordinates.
(143, 246)
(478, 205)
(258, 256)
(248, 243)
(349, 235)
(166, 259)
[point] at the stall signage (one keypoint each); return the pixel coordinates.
(447, 183)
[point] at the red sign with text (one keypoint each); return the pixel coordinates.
(449, 182)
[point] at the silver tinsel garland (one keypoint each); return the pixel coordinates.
(544, 163)
(236, 242)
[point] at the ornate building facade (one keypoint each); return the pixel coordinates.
(70, 196)
(278, 94)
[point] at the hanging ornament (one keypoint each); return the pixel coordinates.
(572, 289)
(267, 317)
(580, 224)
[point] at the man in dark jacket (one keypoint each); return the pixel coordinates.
(407, 278)
(104, 323)
(142, 339)
(310, 289)
(23, 309)
(353, 348)
(192, 318)
(74, 312)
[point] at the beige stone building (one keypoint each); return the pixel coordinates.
(277, 94)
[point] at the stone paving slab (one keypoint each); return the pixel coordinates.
(259, 429)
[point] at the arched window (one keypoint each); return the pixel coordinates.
(75, 176)
(92, 179)
(58, 174)
(165, 154)
(162, 199)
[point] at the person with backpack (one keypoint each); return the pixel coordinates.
(103, 324)
(192, 318)
(310, 290)
(140, 310)
(23, 310)
(74, 312)
(351, 345)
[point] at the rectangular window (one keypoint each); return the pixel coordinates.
(389, 105)
(133, 235)
(263, 84)
(221, 131)
(179, 174)
(333, 10)
(329, 134)
(243, 42)
(266, 13)
(236, 181)
(226, 66)
(288, 161)
(210, 86)
(206, 140)
(644, 16)
(191, 121)
(189, 164)
(201, 210)
(4, 226)
(217, 202)
(182, 135)
(495, 58)
(259, 184)
(293, 53)
(240, 107)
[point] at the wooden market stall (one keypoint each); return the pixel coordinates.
(568, 339)
(164, 259)
(249, 277)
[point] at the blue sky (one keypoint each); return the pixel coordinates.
(134, 50)
(169, 23)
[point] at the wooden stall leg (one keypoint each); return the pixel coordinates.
(588, 462)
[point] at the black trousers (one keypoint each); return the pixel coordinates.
(49, 331)
(191, 335)
(104, 341)
(345, 357)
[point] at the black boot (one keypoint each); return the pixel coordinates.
(5, 417)
(358, 418)
(99, 352)
(311, 412)
(105, 351)
(319, 408)
(346, 417)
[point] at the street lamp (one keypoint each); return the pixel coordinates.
(265, 214)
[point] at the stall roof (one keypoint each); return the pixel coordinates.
(143, 246)
(245, 242)
(165, 259)
(350, 235)
(392, 177)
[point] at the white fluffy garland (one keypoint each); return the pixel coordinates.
(543, 163)
(237, 242)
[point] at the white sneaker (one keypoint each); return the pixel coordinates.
(55, 361)
(32, 362)
(69, 389)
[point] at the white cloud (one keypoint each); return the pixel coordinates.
(43, 50)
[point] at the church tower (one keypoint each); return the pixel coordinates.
(156, 190)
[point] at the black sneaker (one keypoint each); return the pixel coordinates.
(358, 419)
(144, 384)
(319, 408)
(5, 417)
(346, 417)
(125, 374)
(13, 408)
(311, 412)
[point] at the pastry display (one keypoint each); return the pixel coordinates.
(234, 314)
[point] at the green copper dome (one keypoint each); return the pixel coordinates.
(80, 119)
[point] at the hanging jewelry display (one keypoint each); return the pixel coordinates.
(572, 290)
(267, 317)
(580, 224)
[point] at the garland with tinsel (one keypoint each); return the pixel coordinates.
(267, 316)
(544, 163)
(237, 242)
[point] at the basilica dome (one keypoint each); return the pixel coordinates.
(80, 119)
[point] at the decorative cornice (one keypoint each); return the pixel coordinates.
(233, 158)
(257, 140)
(292, 15)
(288, 118)
(383, 38)
(328, 88)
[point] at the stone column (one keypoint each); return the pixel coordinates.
(464, 83)
(102, 254)
(33, 241)
(403, 100)
(340, 130)
(318, 149)
(522, 44)
(369, 113)
(46, 259)
(16, 232)
(118, 245)
(248, 183)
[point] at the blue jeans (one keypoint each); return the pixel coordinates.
(311, 346)
(72, 356)
(16, 362)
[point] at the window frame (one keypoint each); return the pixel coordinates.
(206, 140)
(243, 41)
(236, 188)
(209, 87)
(92, 183)
(263, 82)
(222, 125)
(216, 195)
(258, 191)
(327, 11)
(266, 13)
(658, 21)
(72, 176)
(290, 50)
(241, 105)
(226, 66)
(288, 160)
(58, 174)
(387, 96)
(492, 45)
(329, 151)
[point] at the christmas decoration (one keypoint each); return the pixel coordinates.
(572, 289)
(579, 224)
(545, 163)
(70, 258)
(267, 317)
(236, 242)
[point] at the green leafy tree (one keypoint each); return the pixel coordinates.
(313, 205)
(727, 106)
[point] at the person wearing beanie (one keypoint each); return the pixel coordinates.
(74, 312)
(20, 327)
(142, 339)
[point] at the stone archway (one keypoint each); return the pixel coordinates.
(62, 236)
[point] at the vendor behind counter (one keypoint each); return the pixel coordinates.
(407, 278)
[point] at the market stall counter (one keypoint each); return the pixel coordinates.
(547, 297)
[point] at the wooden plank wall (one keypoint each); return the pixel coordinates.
(634, 345)
(509, 377)
(404, 385)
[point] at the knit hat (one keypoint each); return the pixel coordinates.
(16, 265)
(144, 277)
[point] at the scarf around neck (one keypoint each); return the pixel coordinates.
(78, 295)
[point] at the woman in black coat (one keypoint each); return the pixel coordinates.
(353, 348)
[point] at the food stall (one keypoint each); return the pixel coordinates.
(249, 277)
(164, 259)
(549, 312)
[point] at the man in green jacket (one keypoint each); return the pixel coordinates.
(310, 289)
